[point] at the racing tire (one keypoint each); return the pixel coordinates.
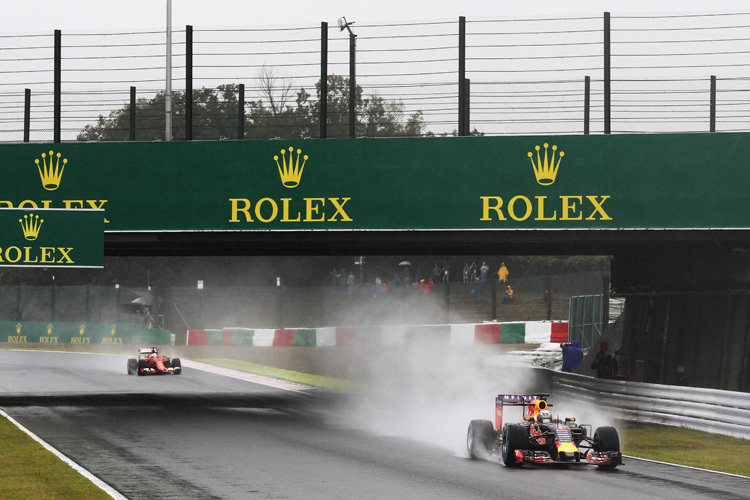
(606, 439)
(479, 438)
(141, 365)
(132, 366)
(177, 365)
(514, 438)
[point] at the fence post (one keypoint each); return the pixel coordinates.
(461, 75)
(132, 114)
(712, 127)
(586, 105)
(607, 76)
(57, 86)
(54, 299)
(323, 118)
(27, 115)
(241, 113)
(447, 288)
(88, 303)
(493, 299)
(605, 302)
(467, 107)
(188, 83)
(352, 84)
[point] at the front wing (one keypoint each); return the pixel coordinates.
(593, 457)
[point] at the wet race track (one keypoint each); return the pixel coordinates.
(201, 435)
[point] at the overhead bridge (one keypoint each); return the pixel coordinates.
(672, 210)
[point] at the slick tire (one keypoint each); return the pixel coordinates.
(479, 438)
(177, 365)
(132, 366)
(606, 439)
(514, 438)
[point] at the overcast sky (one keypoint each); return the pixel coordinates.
(33, 16)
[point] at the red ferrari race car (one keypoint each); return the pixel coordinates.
(541, 438)
(149, 362)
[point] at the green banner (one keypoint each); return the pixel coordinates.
(51, 238)
(33, 332)
(545, 182)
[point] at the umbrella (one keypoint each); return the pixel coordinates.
(404, 263)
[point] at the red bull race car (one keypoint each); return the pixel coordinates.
(150, 362)
(540, 438)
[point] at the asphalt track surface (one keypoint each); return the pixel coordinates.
(205, 436)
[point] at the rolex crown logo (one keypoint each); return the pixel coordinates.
(113, 329)
(51, 173)
(81, 329)
(49, 329)
(546, 171)
(31, 224)
(18, 328)
(291, 171)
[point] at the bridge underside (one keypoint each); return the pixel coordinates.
(421, 242)
(685, 288)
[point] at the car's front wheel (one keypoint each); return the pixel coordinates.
(606, 439)
(514, 438)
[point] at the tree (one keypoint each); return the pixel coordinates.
(215, 114)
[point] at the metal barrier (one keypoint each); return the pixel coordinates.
(710, 410)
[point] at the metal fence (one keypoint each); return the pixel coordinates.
(566, 75)
(710, 410)
(181, 308)
(586, 320)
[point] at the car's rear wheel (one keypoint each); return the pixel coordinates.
(141, 365)
(606, 439)
(479, 438)
(177, 365)
(514, 438)
(132, 366)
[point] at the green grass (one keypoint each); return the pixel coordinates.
(30, 471)
(292, 376)
(679, 445)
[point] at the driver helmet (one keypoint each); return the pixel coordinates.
(544, 416)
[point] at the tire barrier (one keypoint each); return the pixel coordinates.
(52, 333)
(533, 332)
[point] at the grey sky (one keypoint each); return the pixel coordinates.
(33, 16)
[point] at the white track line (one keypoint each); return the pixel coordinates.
(687, 467)
(249, 377)
(98, 482)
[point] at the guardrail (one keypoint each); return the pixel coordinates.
(710, 410)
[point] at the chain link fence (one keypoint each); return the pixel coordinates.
(179, 309)
(523, 76)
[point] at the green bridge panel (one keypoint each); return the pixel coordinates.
(593, 182)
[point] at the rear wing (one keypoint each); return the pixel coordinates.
(147, 350)
(531, 403)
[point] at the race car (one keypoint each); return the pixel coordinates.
(149, 362)
(540, 438)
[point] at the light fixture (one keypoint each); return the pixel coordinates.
(345, 25)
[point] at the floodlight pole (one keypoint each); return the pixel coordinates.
(168, 90)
